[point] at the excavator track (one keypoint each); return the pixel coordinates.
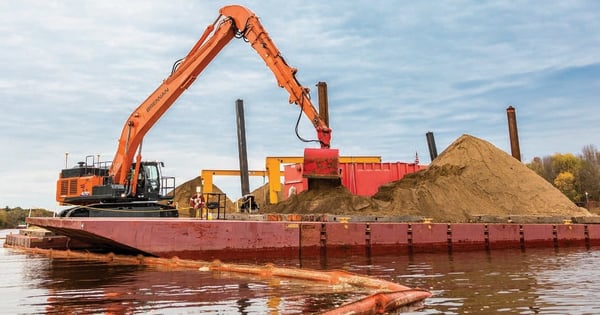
(122, 209)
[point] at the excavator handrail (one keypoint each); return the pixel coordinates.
(233, 21)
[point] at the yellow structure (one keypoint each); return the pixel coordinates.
(207, 176)
(274, 173)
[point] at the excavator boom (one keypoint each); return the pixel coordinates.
(233, 21)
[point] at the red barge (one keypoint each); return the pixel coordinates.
(262, 236)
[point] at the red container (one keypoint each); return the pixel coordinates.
(293, 180)
(361, 179)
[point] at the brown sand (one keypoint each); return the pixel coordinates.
(184, 191)
(470, 178)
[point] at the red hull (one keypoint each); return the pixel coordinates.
(225, 239)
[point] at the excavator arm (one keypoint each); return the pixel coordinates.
(233, 21)
(259, 39)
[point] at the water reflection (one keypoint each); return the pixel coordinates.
(75, 286)
(544, 281)
(568, 283)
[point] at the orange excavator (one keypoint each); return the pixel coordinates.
(128, 186)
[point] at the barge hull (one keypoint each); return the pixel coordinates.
(224, 239)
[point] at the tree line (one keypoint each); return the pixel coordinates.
(576, 176)
(12, 218)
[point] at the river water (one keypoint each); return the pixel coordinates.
(534, 281)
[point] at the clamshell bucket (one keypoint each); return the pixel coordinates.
(321, 167)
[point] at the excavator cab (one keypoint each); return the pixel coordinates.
(151, 185)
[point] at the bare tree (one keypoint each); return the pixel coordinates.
(589, 174)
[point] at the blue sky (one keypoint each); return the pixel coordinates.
(73, 71)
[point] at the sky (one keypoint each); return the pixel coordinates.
(73, 71)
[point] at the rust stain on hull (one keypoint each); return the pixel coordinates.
(198, 239)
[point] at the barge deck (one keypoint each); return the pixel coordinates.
(264, 236)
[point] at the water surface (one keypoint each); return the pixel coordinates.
(534, 281)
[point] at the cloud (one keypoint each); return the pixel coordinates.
(74, 71)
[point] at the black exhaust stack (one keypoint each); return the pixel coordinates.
(431, 144)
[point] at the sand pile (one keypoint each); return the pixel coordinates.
(470, 178)
(330, 200)
(262, 195)
(184, 191)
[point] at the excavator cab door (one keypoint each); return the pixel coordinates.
(148, 183)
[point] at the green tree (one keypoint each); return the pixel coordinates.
(3, 221)
(565, 163)
(584, 169)
(11, 218)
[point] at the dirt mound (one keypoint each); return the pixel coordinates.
(184, 191)
(262, 195)
(470, 178)
(332, 200)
